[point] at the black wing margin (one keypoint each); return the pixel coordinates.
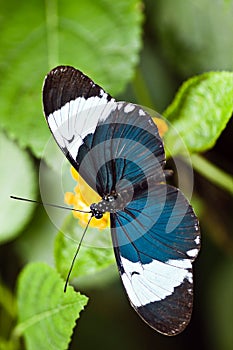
(64, 84)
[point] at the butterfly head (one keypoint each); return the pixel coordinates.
(110, 203)
(107, 204)
(96, 211)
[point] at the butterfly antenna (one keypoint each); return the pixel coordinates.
(76, 253)
(48, 204)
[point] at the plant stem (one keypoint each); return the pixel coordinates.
(7, 301)
(212, 173)
(140, 89)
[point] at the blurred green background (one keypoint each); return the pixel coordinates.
(140, 52)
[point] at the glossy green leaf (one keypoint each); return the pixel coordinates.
(199, 112)
(101, 38)
(17, 177)
(47, 315)
(95, 255)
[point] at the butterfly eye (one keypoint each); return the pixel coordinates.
(110, 198)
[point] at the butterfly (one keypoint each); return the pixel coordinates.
(116, 148)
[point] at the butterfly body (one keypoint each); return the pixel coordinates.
(116, 148)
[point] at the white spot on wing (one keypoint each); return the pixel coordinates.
(155, 281)
(119, 105)
(129, 108)
(192, 252)
(141, 112)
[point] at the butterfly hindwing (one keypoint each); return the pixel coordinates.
(155, 242)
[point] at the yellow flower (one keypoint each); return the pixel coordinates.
(161, 125)
(81, 199)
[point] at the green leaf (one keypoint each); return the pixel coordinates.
(199, 112)
(18, 178)
(8, 315)
(101, 38)
(46, 314)
(95, 255)
(7, 301)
